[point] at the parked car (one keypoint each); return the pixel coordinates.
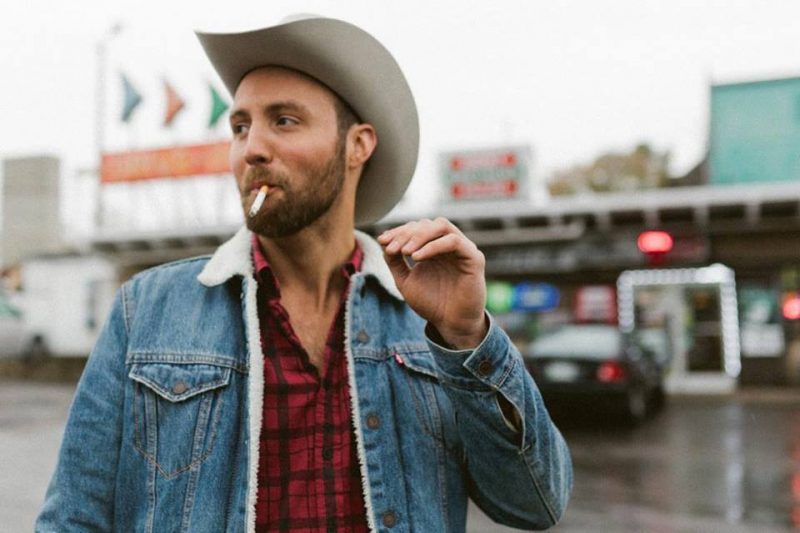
(596, 366)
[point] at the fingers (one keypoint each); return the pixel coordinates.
(425, 239)
(450, 243)
(410, 237)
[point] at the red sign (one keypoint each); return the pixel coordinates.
(470, 161)
(172, 162)
(482, 189)
(655, 242)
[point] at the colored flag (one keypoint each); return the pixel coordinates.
(174, 104)
(218, 107)
(132, 98)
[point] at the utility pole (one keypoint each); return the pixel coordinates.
(101, 51)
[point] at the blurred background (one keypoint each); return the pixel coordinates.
(631, 170)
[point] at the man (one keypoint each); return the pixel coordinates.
(305, 377)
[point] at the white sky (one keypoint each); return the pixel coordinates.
(569, 78)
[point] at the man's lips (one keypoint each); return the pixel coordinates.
(256, 185)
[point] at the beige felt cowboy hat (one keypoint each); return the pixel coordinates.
(358, 68)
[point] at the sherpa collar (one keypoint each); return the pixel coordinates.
(233, 258)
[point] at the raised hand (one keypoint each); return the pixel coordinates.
(446, 284)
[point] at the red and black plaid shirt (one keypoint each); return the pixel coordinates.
(308, 475)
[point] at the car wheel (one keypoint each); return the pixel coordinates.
(657, 399)
(635, 406)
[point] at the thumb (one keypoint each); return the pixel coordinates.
(398, 267)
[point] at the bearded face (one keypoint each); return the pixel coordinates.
(297, 202)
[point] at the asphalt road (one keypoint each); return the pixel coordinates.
(705, 464)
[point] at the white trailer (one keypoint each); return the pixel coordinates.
(65, 301)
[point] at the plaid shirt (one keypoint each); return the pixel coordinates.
(308, 475)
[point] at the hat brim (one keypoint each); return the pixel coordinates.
(358, 68)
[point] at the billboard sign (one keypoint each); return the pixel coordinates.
(755, 132)
(492, 174)
(171, 162)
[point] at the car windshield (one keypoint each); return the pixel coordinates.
(579, 342)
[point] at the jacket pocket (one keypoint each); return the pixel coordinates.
(423, 391)
(176, 412)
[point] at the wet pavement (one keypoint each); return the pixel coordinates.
(705, 464)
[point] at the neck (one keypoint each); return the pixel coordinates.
(309, 262)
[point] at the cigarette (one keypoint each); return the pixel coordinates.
(259, 201)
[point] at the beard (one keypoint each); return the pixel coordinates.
(301, 206)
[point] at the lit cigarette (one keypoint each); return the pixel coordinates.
(259, 201)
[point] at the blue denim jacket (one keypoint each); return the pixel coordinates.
(163, 432)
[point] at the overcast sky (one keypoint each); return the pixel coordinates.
(569, 78)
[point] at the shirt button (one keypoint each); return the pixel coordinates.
(179, 388)
(484, 368)
(373, 421)
(362, 337)
(327, 454)
(389, 519)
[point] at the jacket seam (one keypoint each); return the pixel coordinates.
(156, 388)
(170, 265)
(125, 311)
(420, 410)
(535, 480)
(149, 357)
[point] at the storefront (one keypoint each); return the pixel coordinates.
(694, 310)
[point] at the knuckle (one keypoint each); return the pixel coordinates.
(444, 224)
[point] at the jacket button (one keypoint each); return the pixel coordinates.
(327, 454)
(362, 337)
(484, 368)
(373, 421)
(389, 519)
(179, 388)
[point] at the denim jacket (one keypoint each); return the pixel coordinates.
(163, 432)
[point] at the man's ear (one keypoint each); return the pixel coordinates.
(362, 140)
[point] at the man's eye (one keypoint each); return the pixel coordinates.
(286, 121)
(239, 128)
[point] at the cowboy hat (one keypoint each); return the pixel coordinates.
(354, 65)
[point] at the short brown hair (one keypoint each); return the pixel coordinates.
(345, 116)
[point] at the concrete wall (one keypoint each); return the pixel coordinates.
(30, 208)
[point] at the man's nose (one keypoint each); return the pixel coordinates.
(258, 150)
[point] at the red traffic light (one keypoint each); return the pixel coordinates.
(654, 242)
